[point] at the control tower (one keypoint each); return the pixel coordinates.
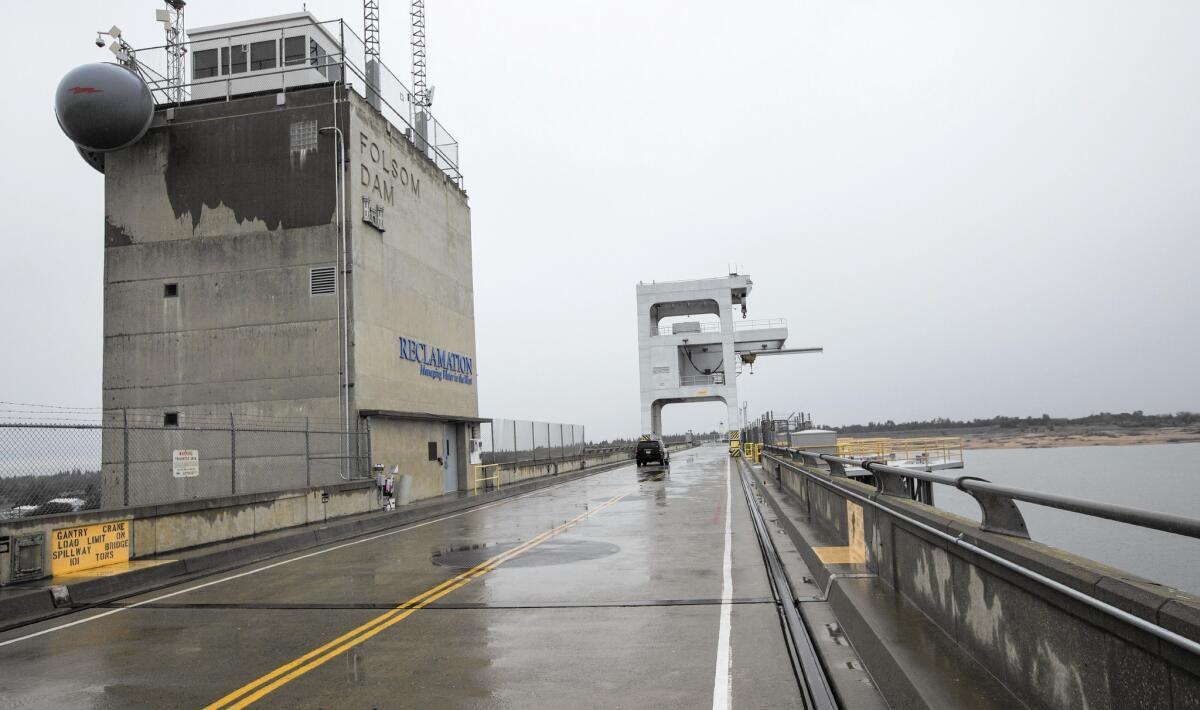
(285, 243)
(687, 357)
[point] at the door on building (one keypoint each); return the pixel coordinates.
(449, 458)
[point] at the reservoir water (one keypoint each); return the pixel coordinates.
(1162, 477)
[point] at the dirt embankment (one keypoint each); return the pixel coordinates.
(1046, 437)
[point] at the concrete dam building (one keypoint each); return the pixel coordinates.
(282, 251)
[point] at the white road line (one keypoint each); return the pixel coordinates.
(723, 674)
(239, 575)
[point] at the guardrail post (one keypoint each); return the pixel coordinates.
(1000, 513)
(836, 468)
(888, 483)
(307, 457)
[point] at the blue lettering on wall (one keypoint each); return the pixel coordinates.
(438, 364)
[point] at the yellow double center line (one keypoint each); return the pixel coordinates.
(255, 690)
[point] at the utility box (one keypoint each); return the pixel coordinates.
(26, 557)
(818, 441)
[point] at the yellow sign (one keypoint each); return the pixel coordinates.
(87, 546)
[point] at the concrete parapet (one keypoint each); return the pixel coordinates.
(25, 604)
(158, 529)
(1047, 648)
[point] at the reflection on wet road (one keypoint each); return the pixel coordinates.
(603, 592)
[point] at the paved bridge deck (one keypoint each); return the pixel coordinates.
(602, 592)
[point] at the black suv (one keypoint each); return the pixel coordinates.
(652, 451)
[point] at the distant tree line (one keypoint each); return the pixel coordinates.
(1102, 419)
(667, 439)
(35, 490)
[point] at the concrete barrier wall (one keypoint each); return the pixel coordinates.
(602, 457)
(1049, 649)
(175, 526)
(159, 529)
(525, 471)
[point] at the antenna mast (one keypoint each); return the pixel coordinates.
(421, 97)
(172, 19)
(371, 28)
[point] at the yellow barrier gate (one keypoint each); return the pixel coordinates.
(476, 479)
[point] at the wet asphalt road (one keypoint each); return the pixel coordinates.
(600, 593)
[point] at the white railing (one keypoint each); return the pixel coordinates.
(738, 325)
(760, 324)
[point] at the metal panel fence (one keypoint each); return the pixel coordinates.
(516, 442)
(125, 460)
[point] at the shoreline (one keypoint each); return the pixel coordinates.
(1058, 438)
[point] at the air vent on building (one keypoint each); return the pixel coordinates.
(321, 280)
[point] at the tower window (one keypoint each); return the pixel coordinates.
(170, 290)
(204, 63)
(262, 55)
(170, 418)
(293, 50)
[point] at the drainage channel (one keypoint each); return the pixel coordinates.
(815, 688)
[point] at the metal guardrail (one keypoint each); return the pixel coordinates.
(996, 502)
(1159, 521)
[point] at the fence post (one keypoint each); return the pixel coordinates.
(365, 467)
(124, 455)
(307, 457)
(232, 457)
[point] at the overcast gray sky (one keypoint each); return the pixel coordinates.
(976, 208)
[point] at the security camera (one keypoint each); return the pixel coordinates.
(99, 41)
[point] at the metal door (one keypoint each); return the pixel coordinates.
(449, 458)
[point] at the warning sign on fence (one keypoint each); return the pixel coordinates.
(87, 546)
(185, 463)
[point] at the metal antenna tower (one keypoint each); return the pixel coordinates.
(421, 95)
(172, 19)
(371, 28)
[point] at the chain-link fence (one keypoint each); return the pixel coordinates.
(517, 442)
(127, 460)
